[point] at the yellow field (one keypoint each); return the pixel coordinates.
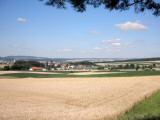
(72, 98)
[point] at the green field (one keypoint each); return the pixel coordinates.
(148, 109)
(61, 75)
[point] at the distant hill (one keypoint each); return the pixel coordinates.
(98, 60)
(34, 58)
(31, 58)
(136, 59)
(142, 59)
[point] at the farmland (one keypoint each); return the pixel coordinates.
(72, 98)
(79, 60)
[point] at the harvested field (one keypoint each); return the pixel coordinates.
(72, 98)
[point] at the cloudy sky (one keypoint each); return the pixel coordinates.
(28, 27)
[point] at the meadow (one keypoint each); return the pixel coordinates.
(87, 74)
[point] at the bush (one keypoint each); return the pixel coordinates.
(6, 68)
(100, 68)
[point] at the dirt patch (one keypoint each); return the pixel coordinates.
(72, 98)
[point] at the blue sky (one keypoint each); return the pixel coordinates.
(28, 27)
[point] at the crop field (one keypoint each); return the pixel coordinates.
(72, 98)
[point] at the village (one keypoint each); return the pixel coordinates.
(51, 65)
(46, 66)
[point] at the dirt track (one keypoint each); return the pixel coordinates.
(72, 98)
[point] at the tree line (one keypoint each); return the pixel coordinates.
(24, 65)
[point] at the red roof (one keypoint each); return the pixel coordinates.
(37, 68)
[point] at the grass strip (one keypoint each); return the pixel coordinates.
(63, 75)
(149, 109)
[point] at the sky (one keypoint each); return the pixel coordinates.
(30, 28)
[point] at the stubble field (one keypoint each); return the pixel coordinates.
(72, 98)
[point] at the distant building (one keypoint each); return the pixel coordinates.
(3, 64)
(37, 69)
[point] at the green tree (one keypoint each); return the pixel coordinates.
(25, 65)
(132, 66)
(100, 68)
(137, 67)
(126, 66)
(150, 67)
(80, 5)
(83, 63)
(154, 65)
(6, 68)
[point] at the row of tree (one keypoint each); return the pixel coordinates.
(86, 63)
(24, 65)
(127, 66)
(131, 66)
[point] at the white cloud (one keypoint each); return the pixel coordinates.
(116, 44)
(95, 32)
(22, 20)
(97, 48)
(112, 42)
(131, 26)
(65, 50)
